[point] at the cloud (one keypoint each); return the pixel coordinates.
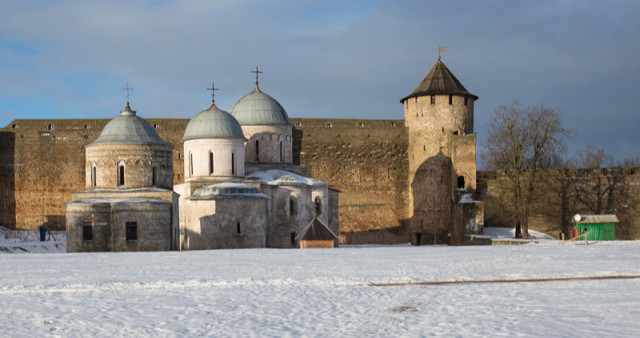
(320, 58)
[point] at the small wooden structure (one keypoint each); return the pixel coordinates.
(595, 227)
(316, 235)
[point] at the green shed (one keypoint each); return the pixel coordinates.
(599, 227)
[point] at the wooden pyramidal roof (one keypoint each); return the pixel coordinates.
(439, 81)
(316, 230)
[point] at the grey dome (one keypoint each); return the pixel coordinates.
(213, 123)
(127, 128)
(258, 108)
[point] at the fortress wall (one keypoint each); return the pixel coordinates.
(367, 161)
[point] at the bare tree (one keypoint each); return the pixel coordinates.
(522, 140)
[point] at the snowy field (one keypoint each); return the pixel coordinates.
(324, 292)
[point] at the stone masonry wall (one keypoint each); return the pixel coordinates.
(367, 161)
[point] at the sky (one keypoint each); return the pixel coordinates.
(324, 59)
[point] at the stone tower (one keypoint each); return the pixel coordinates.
(439, 118)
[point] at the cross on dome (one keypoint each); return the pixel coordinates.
(257, 72)
(213, 92)
(128, 91)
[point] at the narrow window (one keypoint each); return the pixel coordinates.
(155, 126)
(297, 124)
(93, 176)
(466, 100)
(178, 155)
(360, 124)
(120, 175)
(450, 99)
(87, 233)
(281, 152)
(50, 127)
(238, 229)
(292, 206)
(210, 163)
(132, 231)
(14, 126)
(424, 147)
(233, 164)
(86, 126)
(153, 176)
(328, 125)
(392, 124)
(257, 151)
(293, 238)
(433, 99)
(460, 182)
(190, 164)
(318, 202)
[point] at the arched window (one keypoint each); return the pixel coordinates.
(93, 176)
(120, 175)
(233, 164)
(210, 163)
(190, 164)
(257, 151)
(318, 202)
(292, 206)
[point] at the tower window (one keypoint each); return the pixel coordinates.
(238, 229)
(178, 155)
(297, 124)
(50, 127)
(433, 99)
(87, 233)
(466, 100)
(93, 176)
(392, 124)
(155, 126)
(450, 99)
(460, 182)
(132, 231)
(120, 175)
(14, 126)
(190, 164)
(329, 125)
(211, 163)
(86, 126)
(153, 176)
(293, 238)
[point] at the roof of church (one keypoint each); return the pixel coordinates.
(228, 190)
(213, 123)
(127, 128)
(316, 230)
(283, 177)
(439, 81)
(258, 108)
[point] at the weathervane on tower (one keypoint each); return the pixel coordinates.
(257, 72)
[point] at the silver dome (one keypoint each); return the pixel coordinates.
(127, 128)
(213, 123)
(258, 108)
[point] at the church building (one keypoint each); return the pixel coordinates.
(240, 187)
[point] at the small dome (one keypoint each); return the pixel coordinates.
(213, 123)
(258, 108)
(127, 128)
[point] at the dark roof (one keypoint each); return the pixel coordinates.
(316, 230)
(439, 81)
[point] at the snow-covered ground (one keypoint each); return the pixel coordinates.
(324, 292)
